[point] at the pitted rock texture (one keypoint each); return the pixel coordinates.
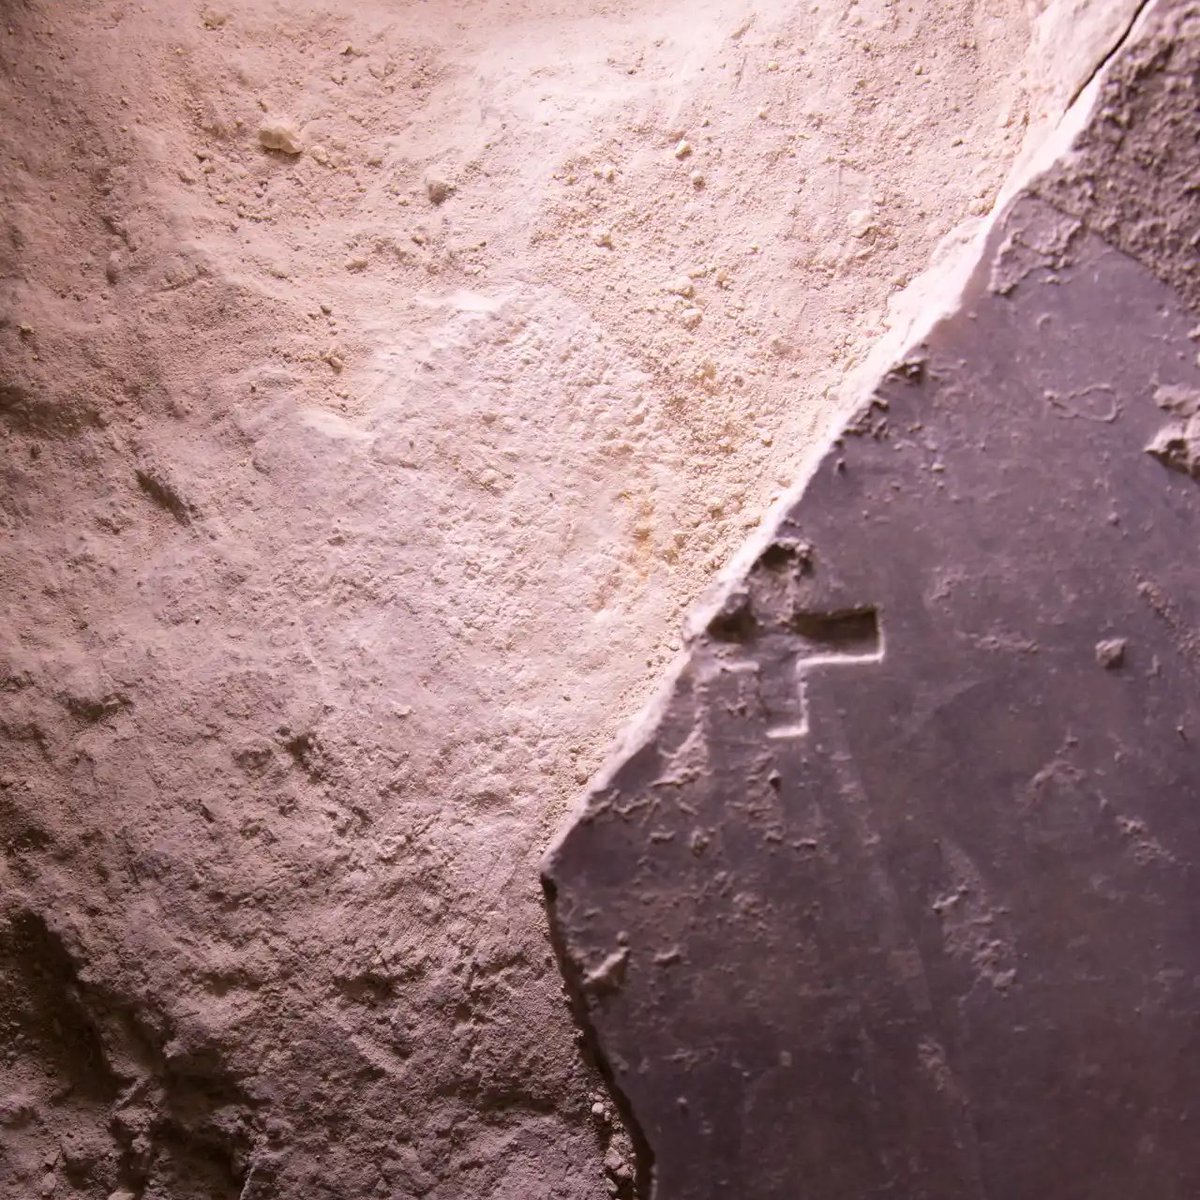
(1135, 173)
(377, 387)
(894, 892)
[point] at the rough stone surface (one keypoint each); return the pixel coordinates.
(895, 891)
(1135, 174)
(348, 503)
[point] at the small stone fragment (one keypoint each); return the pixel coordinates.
(1177, 444)
(697, 179)
(610, 974)
(439, 190)
(603, 237)
(1110, 653)
(683, 149)
(15, 1108)
(281, 135)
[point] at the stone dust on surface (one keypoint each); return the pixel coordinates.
(378, 384)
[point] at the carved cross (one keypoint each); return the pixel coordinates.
(783, 659)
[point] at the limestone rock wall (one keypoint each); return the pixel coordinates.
(378, 383)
